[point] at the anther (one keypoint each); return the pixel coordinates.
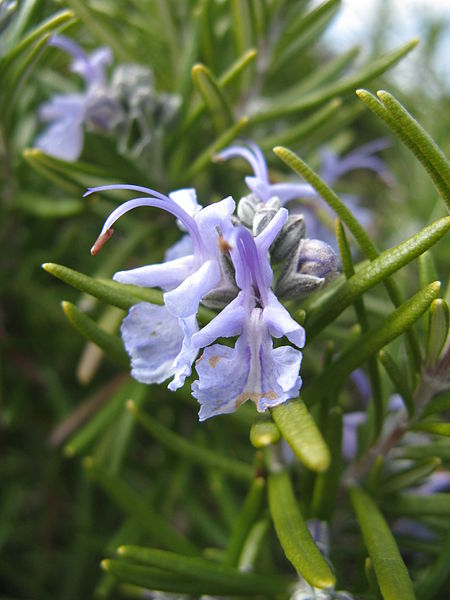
(101, 241)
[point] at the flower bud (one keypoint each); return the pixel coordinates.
(246, 209)
(289, 238)
(306, 269)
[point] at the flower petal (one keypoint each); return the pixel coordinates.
(63, 139)
(227, 323)
(184, 300)
(166, 275)
(182, 365)
(223, 373)
(280, 322)
(153, 338)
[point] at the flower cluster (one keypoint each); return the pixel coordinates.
(123, 105)
(223, 262)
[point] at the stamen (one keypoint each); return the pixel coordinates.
(101, 241)
(224, 246)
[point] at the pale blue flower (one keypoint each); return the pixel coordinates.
(96, 107)
(188, 278)
(253, 369)
(158, 338)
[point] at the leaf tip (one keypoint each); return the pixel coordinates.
(104, 564)
(121, 550)
(131, 407)
(88, 463)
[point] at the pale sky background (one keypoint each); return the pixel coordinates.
(356, 17)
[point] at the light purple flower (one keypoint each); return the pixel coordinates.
(260, 184)
(67, 113)
(158, 338)
(253, 369)
(188, 278)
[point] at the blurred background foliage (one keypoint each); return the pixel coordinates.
(264, 74)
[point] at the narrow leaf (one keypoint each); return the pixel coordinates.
(136, 505)
(438, 329)
(372, 341)
(190, 450)
(300, 431)
(380, 110)
(436, 575)
(213, 97)
(201, 569)
(398, 379)
(327, 484)
(291, 529)
(434, 427)
(420, 137)
(264, 433)
(389, 567)
(110, 344)
(302, 130)
(323, 312)
(415, 505)
(332, 90)
(117, 294)
(408, 477)
(205, 157)
(245, 521)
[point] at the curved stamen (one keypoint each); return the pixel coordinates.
(262, 171)
(235, 151)
(161, 201)
(64, 43)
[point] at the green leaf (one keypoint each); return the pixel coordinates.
(136, 505)
(332, 90)
(100, 30)
(398, 379)
(327, 484)
(48, 26)
(213, 97)
(403, 129)
(434, 427)
(155, 579)
(99, 422)
(298, 132)
(300, 431)
(244, 521)
(363, 320)
(200, 569)
(118, 294)
(253, 546)
(224, 81)
(438, 329)
(110, 344)
(264, 432)
(408, 477)
(436, 405)
(372, 341)
(436, 575)
(242, 25)
(439, 448)
(223, 140)
(324, 311)
(414, 505)
(428, 147)
(190, 450)
(291, 529)
(46, 208)
(300, 30)
(389, 567)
